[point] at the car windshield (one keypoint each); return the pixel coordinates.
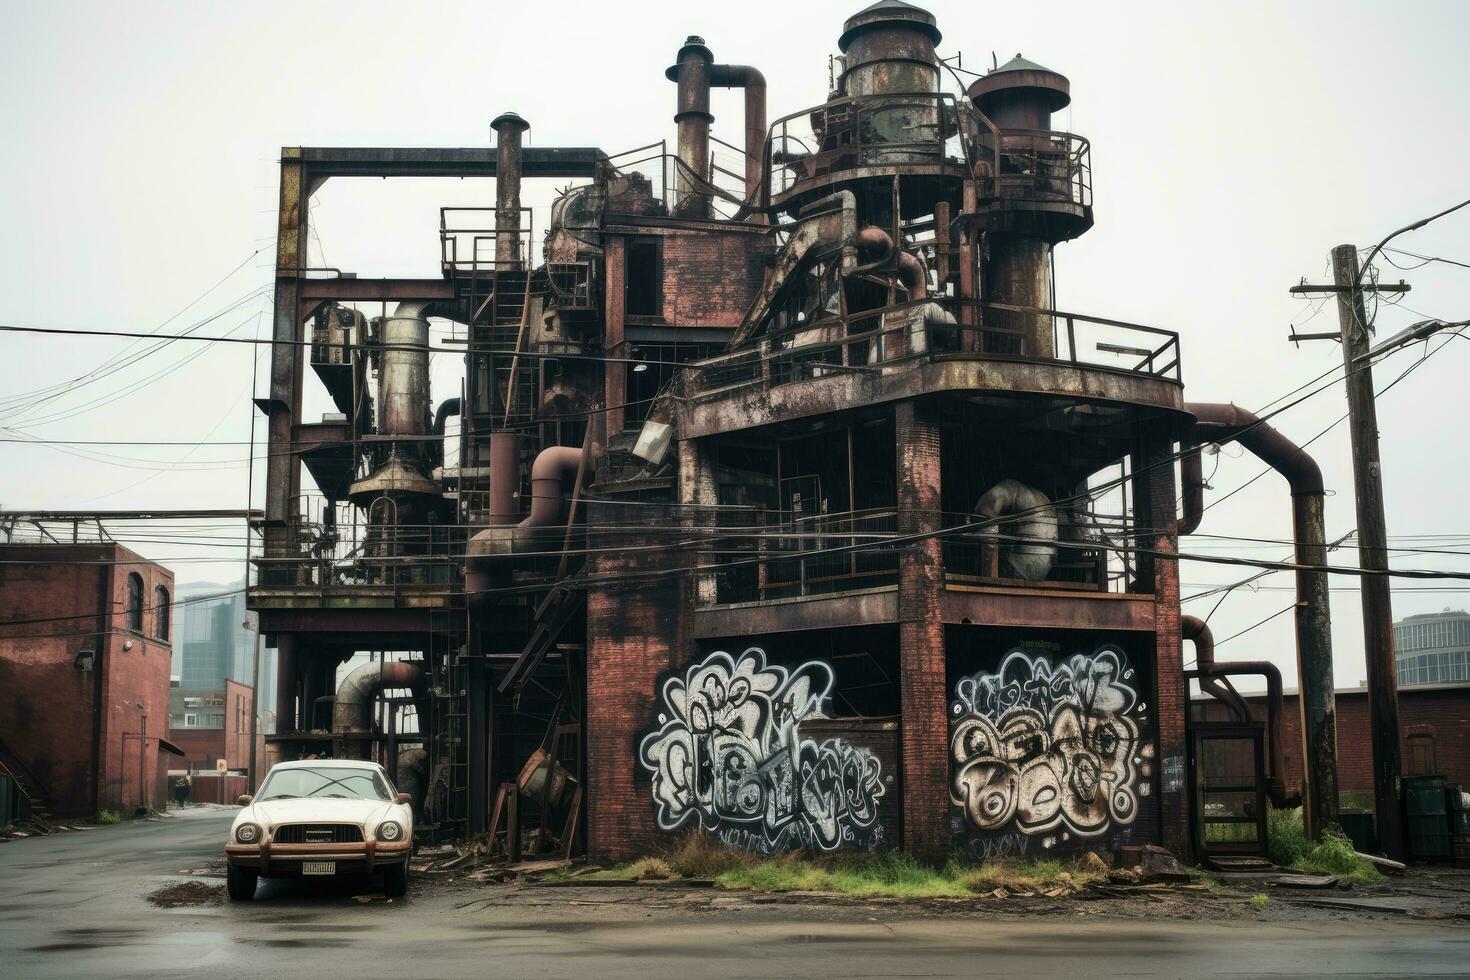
(324, 782)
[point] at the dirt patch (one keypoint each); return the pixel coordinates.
(187, 893)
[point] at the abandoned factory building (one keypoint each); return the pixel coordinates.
(777, 498)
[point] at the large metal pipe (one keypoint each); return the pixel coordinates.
(552, 474)
(505, 476)
(910, 270)
(1212, 678)
(754, 83)
(508, 129)
(1226, 423)
(352, 710)
(691, 69)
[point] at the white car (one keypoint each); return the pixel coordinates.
(321, 817)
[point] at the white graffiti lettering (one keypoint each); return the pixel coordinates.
(1040, 746)
(729, 753)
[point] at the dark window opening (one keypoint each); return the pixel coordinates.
(643, 288)
(160, 613)
(135, 602)
(653, 369)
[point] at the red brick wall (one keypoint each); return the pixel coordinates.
(68, 726)
(634, 638)
(201, 747)
(710, 278)
(925, 733)
(1171, 695)
(1443, 713)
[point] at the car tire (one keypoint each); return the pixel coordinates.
(395, 879)
(240, 883)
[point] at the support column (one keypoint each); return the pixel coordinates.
(925, 737)
(637, 631)
(697, 496)
(283, 470)
(285, 683)
(615, 381)
(1154, 508)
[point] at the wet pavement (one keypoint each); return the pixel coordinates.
(76, 904)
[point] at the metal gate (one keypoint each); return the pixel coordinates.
(1228, 763)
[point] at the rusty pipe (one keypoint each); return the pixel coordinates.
(910, 270)
(505, 477)
(555, 467)
(1227, 423)
(554, 470)
(754, 83)
(352, 708)
(1192, 475)
(1211, 676)
(508, 129)
(691, 70)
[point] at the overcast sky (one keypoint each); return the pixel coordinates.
(1234, 144)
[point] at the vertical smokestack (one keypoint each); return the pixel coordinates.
(508, 129)
(1020, 97)
(692, 71)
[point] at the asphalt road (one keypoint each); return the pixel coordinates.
(75, 905)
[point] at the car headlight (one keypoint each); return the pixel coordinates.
(389, 830)
(247, 833)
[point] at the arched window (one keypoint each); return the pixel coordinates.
(160, 613)
(135, 602)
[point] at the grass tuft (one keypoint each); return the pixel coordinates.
(1287, 845)
(1259, 901)
(106, 817)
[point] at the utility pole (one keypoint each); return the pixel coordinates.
(1383, 697)
(254, 704)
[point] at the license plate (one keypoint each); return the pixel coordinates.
(319, 867)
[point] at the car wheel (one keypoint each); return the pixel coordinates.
(395, 879)
(240, 883)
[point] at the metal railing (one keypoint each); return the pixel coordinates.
(1036, 165)
(466, 245)
(984, 555)
(358, 550)
(881, 340)
(778, 554)
(864, 131)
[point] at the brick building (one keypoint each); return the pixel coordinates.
(1434, 725)
(85, 649)
(212, 725)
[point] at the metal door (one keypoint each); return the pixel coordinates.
(1228, 764)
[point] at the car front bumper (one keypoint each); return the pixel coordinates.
(286, 859)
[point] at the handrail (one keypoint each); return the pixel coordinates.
(872, 341)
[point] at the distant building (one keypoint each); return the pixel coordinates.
(211, 726)
(1433, 648)
(214, 642)
(85, 650)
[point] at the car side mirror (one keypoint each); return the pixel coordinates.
(405, 799)
(245, 799)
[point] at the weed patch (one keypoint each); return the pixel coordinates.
(106, 817)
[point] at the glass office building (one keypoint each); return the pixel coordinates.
(1433, 648)
(214, 641)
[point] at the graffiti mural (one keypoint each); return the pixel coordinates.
(729, 754)
(1049, 749)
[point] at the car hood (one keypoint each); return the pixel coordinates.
(273, 813)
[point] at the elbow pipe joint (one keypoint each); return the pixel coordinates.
(1209, 673)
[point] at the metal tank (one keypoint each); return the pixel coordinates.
(889, 51)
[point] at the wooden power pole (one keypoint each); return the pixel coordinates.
(1378, 647)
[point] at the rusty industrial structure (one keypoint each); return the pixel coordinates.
(783, 501)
